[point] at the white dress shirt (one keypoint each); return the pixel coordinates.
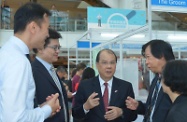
(101, 81)
(17, 88)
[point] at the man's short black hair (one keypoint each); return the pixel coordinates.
(159, 49)
(53, 34)
(27, 13)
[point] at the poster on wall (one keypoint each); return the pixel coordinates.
(109, 18)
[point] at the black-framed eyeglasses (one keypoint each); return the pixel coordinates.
(54, 47)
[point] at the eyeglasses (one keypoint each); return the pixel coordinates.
(55, 48)
(105, 63)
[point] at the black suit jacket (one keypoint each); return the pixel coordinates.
(120, 90)
(177, 112)
(45, 86)
(163, 104)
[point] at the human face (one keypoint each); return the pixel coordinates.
(51, 51)
(154, 64)
(41, 33)
(106, 65)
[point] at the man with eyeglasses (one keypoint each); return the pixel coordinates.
(46, 80)
(101, 98)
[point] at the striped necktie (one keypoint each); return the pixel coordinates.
(57, 82)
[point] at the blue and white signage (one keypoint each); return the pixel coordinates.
(170, 3)
(108, 18)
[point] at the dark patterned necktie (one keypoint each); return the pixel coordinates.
(153, 102)
(105, 96)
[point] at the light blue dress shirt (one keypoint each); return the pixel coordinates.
(17, 87)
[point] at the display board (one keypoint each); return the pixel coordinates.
(110, 18)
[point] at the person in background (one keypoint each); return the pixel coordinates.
(54, 11)
(87, 74)
(157, 54)
(75, 81)
(46, 80)
(101, 98)
(62, 73)
(76, 78)
(17, 87)
(69, 84)
(174, 83)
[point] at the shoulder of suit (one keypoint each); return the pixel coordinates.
(115, 79)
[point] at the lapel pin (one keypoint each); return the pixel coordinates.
(116, 91)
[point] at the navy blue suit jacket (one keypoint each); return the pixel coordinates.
(45, 86)
(163, 104)
(120, 90)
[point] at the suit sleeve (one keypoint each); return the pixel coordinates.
(141, 108)
(77, 110)
(129, 115)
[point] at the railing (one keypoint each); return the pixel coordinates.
(68, 24)
(58, 22)
(62, 22)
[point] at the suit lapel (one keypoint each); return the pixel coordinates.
(96, 88)
(46, 73)
(114, 92)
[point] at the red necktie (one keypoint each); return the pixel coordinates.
(105, 96)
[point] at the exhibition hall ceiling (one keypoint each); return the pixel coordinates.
(79, 6)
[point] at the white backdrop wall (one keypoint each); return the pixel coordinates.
(130, 72)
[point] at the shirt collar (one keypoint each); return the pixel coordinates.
(101, 81)
(45, 63)
(22, 46)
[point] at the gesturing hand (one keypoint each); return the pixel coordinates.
(91, 101)
(131, 103)
(113, 113)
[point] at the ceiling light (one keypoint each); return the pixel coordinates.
(177, 37)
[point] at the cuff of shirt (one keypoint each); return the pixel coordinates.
(46, 110)
(85, 111)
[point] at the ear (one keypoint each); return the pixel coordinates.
(97, 65)
(32, 27)
(40, 50)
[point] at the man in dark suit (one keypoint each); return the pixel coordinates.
(96, 102)
(157, 54)
(46, 80)
(174, 83)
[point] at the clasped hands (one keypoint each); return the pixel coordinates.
(112, 113)
(53, 102)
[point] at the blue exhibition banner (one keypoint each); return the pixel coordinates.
(109, 18)
(170, 3)
(86, 44)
